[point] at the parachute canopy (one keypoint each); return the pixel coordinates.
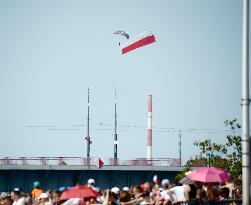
(123, 33)
(139, 41)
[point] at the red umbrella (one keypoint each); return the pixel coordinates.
(79, 192)
(209, 175)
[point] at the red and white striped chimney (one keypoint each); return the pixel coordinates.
(149, 128)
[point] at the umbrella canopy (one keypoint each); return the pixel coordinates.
(186, 180)
(79, 192)
(209, 175)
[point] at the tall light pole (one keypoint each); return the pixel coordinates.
(179, 143)
(245, 106)
(88, 139)
(115, 125)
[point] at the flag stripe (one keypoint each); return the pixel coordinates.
(142, 42)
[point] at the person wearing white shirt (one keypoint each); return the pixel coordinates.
(17, 197)
(180, 194)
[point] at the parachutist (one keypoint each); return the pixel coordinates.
(123, 33)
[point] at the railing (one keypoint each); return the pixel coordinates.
(74, 161)
(208, 202)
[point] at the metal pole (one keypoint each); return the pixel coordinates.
(180, 146)
(115, 126)
(245, 107)
(88, 124)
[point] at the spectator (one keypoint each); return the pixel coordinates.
(180, 194)
(224, 193)
(6, 200)
(28, 200)
(44, 199)
(165, 197)
(230, 185)
(36, 190)
(200, 193)
(91, 183)
(17, 197)
(124, 196)
(210, 192)
(56, 197)
(136, 192)
(126, 189)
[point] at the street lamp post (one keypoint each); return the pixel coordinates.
(115, 126)
(88, 139)
(245, 106)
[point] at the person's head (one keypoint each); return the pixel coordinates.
(224, 193)
(90, 182)
(28, 200)
(124, 196)
(201, 194)
(16, 194)
(56, 196)
(229, 181)
(148, 187)
(36, 184)
(115, 190)
(114, 197)
(126, 189)
(44, 197)
(156, 187)
(165, 183)
(192, 192)
(199, 185)
(136, 191)
(6, 200)
(50, 193)
(3, 195)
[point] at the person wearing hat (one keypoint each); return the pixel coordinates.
(91, 183)
(17, 197)
(115, 190)
(36, 190)
(126, 189)
(165, 195)
(44, 199)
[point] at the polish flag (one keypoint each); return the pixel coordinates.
(155, 179)
(139, 41)
(100, 163)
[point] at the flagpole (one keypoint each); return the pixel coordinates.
(245, 107)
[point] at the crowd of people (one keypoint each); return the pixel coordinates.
(148, 193)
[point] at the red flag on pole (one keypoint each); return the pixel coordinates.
(100, 163)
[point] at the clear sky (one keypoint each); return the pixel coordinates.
(51, 51)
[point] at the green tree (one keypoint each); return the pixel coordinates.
(234, 143)
(181, 174)
(226, 156)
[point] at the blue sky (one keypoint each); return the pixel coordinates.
(51, 51)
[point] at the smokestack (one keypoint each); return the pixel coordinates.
(149, 128)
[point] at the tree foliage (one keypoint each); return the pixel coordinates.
(226, 156)
(181, 174)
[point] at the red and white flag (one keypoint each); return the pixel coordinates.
(100, 163)
(155, 179)
(139, 41)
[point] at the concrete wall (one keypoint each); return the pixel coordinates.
(53, 179)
